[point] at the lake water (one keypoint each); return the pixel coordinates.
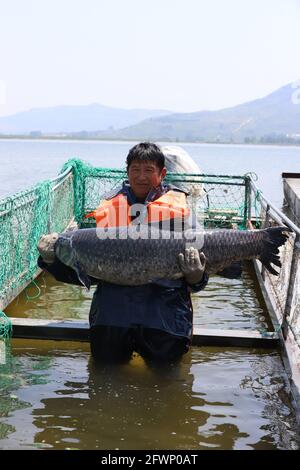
(51, 397)
(24, 163)
(216, 398)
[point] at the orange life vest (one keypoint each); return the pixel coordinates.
(116, 212)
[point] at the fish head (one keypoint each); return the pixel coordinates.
(64, 250)
(46, 246)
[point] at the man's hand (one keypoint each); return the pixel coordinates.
(46, 247)
(192, 265)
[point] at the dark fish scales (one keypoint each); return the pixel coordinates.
(127, 256)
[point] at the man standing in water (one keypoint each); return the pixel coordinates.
(154, 320)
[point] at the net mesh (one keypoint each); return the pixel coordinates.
(47, 207)
(277, 287)
(219, 201)
(5, 327)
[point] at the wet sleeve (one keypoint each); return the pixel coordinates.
(61, 272)
(200, 285)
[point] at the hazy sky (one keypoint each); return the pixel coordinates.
(182, 55)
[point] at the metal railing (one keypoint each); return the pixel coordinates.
(288, 290)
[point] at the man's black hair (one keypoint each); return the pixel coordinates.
(146, 151)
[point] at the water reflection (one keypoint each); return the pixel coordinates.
(214, 399)
(246, 396)
(13, 376)
(224, 303)
(231, 303)
(51, 299)
(125, 407)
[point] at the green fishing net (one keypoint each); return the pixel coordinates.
(5, 327)
(218, 201)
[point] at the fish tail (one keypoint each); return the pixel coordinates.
(276, 237)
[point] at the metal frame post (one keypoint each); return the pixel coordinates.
(291, 286)
(247, 208)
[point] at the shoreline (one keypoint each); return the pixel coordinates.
(175, 142)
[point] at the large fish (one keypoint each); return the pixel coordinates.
(129, 256)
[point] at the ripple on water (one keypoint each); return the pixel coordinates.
(215, 398)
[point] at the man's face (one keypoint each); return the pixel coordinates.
(143, 176)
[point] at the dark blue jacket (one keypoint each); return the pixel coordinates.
(163, 305)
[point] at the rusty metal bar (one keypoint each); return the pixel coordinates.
(291, 285)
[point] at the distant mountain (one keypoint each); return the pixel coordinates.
(68, 119)
(274, 118)
(273, 115)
